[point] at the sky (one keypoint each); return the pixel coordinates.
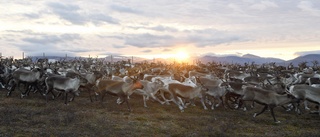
(282, 29)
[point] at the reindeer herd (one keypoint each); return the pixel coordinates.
(232, 86)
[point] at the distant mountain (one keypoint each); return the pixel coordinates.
(247, 58)
(307, 58)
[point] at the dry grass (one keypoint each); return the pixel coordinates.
(32, 116)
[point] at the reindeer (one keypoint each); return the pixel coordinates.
(267, 98)
(118, 88)
(306, 92)
(29, 77)
(178, 91)
(63, 84)
(149, 90)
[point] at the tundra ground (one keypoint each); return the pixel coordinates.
(32, 116)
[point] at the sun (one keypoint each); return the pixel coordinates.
(181, 56)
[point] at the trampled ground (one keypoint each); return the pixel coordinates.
(32, 116)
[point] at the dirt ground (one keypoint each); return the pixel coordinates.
(32, 116)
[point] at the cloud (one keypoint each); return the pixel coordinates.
(159, 28)
(199, 38)
(309, 7)
(39, 50)
(164, 28)
(147, 51)
(263, 5)
(302, 53)
(124, 9)
(119, 46)
(212, 37)
(110, 53)
(149, 40)
(166, 50)
(74, 14)
(51, 39)
(50, 53)
(32, 15)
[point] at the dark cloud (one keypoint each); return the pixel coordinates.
(149, 40)
(36, 47)
(202, 41)
(119, 46)
(39, 50)
(50, 53)
(51, 39)
(212, 37)
(199, 38)
(159, 28)
(164, 28)
(110, 53)
(32, 15)
(125, 9)
(75, 15)
(166, 50)
(77, 50)
(147, 51)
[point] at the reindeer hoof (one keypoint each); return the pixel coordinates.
(255, 114)
(277, 122)
(22, 95)
(245, 109)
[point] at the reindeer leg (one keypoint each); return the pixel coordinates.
(219, 102)
(319, 109)
(264, 109)
(164, 98)
(48, 90)
(203, 104)
(72, 98)
(157, 99)
(11, 89)
(102, 96)
(89, 90)
(144, 101)
(306, 105)
(127, 102)
(23, 94)
(272, 113)
(66, 98)
(174, 99)
(38, 89)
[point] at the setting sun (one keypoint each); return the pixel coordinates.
(181, 56)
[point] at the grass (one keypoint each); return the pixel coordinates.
(32, 116)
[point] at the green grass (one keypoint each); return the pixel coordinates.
(32, 116)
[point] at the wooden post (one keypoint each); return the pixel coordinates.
(111, 59)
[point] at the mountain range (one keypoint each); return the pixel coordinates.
(247, 58)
